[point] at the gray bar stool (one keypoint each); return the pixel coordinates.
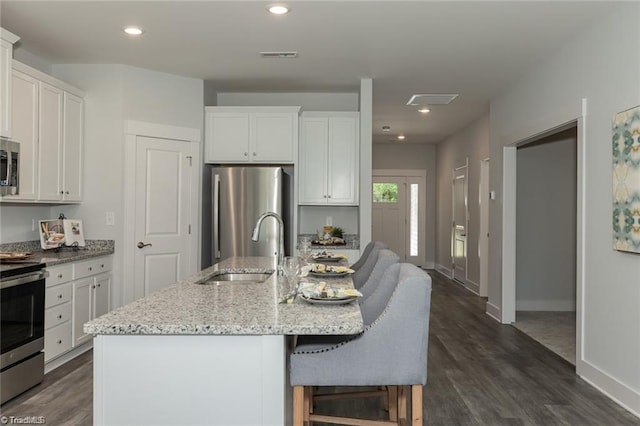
(367, 251)
(398, 337)
(361, 275)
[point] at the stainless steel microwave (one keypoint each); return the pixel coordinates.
(9, 166)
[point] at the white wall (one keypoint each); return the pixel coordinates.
(115, 94)
(548, 96)
(406, 156)
(313, 218)
(471, 142)
(16, 222)
(546, 224)
(308, 101)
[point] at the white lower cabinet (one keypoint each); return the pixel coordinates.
(91, 298)
(76, 293)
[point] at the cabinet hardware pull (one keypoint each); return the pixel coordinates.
(59, 275)
(59, 342)
(90, 268)
(246, 154)
(102, 265)
(66, 192)
(254, 154)
(59, 316)
(59, 296)
(98, 285)
(61, 192)
(93, 286)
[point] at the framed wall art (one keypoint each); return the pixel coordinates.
(626, 180)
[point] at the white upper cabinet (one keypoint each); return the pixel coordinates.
(251, 134)
(7, 41)
(24, 125)
(48, 123)
(329, 158)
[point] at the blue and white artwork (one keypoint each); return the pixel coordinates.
(626, 181)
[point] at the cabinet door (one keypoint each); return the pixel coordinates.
(313, 161)
(50, 142)
(102, 295)
(343, 161)
(6, 53)
(24, 126)
(272, 137)
(82, 308)
(72, 136)
(227, 137)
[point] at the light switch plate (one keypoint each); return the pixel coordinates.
(110, 219)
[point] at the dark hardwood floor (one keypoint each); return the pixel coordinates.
(479, 373)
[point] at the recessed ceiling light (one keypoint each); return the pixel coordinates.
(133, 30)
(424, 110)
(278, 9)
(400, 137)
(386, 128)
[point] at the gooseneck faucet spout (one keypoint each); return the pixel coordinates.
(256, 233)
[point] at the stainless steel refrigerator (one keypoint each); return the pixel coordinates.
(240, 195)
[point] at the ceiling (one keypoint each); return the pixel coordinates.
(475, 48)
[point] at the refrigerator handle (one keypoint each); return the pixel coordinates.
(216, 216)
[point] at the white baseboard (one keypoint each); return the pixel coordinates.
(610, 386)
(494, 312)
(443, 270)
(68, 356)
(428, 265)
(545, 305)
(472, 287)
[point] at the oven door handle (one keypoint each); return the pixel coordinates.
(24, 278)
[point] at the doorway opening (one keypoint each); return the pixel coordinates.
(399, 212)
(546, 235)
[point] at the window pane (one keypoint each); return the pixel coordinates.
(385, 192)
(413, 220)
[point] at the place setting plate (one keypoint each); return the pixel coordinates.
(328, 300)
(328, 274)
(321, 294)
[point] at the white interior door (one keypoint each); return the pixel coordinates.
(460, 218)
(483, 243)
(389, 213)
(162, 213)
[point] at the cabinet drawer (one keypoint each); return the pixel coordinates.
(57, 340)
(57, 295)
(93, 267)
(57, 315)
(59, 274)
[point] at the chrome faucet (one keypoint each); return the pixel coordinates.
(256, 232)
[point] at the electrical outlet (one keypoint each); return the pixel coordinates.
(329, 221)
(110, 219)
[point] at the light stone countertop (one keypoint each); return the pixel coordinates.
(187, 308)
(93, 248)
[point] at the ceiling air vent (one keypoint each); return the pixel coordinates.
(431, 99)
(283, 55)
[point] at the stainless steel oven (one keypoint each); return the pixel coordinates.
(22, 328)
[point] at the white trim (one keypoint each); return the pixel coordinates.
(443, 270)
(428, 265)
(483, 239)
(493, 311)
(472, 287)
(132, 130)
(580, 233)
(366, 159)
(462, 163)
(8, 36)
(67, 356)
(509, 157)
(400, 172)
(546, 305)
(619, 392)
(153, 130)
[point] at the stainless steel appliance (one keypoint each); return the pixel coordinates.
(9, 166)
(22, 325)
(240, 196)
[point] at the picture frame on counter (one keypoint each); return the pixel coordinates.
(55, 233)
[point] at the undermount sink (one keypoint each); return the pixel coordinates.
(236, 277)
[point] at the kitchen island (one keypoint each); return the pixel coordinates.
(212, 354)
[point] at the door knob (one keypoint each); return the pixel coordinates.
(142, 245)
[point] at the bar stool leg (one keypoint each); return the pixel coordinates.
(402, 405)
(416, 405)
(298, 405)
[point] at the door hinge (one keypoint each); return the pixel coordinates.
(190, 160)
